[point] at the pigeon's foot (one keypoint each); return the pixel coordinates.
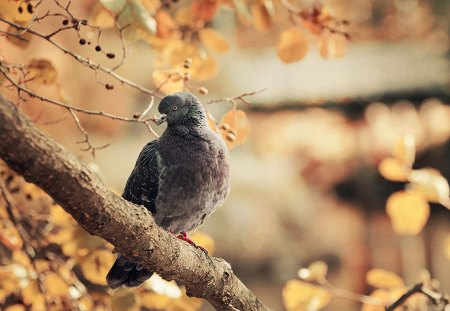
(183, 236)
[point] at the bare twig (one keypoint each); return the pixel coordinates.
(85, 61)
(86, 140)
(436, 298)
(235, 100)
(70, 107)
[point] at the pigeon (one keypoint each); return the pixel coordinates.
(181, 178)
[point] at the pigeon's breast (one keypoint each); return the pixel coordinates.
(194, 180)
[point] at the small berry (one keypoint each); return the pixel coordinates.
(230, 137)
(65, 22)
(166, 5)
(136, 115)
(109, 86)
(84, 22)
(82, 41)
(74, 21)
(225, 127)
(30, 8)
(110, 55)
(98, 48)
(203, 90)
(20, 9)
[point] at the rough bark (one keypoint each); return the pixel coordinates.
(130, 228)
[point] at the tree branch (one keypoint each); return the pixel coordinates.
(130, 228)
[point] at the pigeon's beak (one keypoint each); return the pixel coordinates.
(162, 118)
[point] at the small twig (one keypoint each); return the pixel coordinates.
(235, 100)
(86, 140)
(436, 298)
(70, 107)
(85, 61)
(146, 111)
(339, 292)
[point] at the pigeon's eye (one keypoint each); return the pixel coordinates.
(174, 108)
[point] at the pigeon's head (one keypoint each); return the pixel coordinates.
(181, 108)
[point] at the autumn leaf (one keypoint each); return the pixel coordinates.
(405, 150)
(204, 67)
(154, 301)
(184, 16)
(332, 45)
(23, 41)
(55, 285)
(101, 17)
(16, 307)
(431, 184)
(292, 45)
(96, 265)
(393, 169)
(301, 296)
(380, 278)
(165, 25)
(447, 246)
(316, 271)
(168, 81)
(17, 11)
(235, 128)
(204, 10)
(123, 299)
(41, 71)
(32, 295)
(261, 17)
(213, 40)
(408, 211)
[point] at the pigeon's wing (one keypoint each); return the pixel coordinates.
(142, 185)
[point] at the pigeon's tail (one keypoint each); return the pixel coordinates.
(124, 272)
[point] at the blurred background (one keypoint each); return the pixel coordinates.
(305, 185)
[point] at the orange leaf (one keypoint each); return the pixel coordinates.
(168, 81)
(261, 17)
(235, 128)
(204, 10)
(332, 45)
(380, 278)
(292, 45)
(42, 71)
(213, 40)
(301, 296)
(431, 184)
(408, 212)
(393, 169)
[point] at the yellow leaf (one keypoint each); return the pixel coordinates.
(393, 169)
(168, 81)
(447, 246)
(42, 71)
(316, 271)
(204, 68)
(431, 184)
(301, 296)
(408, 212)
(96, 265)
(17, 11)
(32, 296)
(185, 303)
(55, 285)
(261, 17)
(292, 45)
(25, 37)
(405, 150)
(204, 10)
(154, 301)
(380, 294)
(203, 240)
(235, 128)
(16, 307)
(101, 17)
(213, 40)
(332, 45)
(380, 278)
(184, 16)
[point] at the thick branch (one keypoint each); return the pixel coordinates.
(130, 228)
